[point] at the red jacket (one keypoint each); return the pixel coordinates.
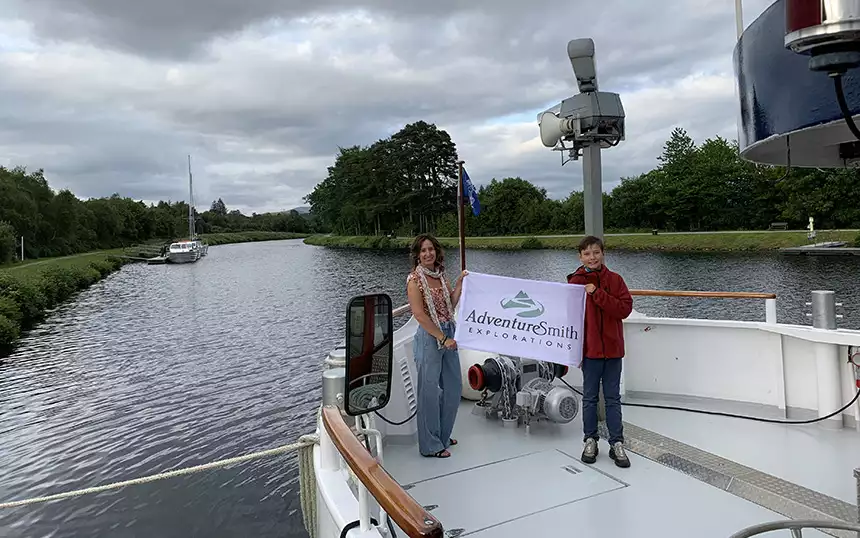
(604, 309)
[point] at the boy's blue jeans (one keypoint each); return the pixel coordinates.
(609, 372)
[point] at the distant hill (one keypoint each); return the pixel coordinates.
(302, 210)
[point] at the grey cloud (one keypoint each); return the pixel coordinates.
(170, 28)
(160, 28)
(283, 192)
(469, 62)
(94, 152)
(341, 110)
(652, 35)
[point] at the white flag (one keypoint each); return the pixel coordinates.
(522, 318)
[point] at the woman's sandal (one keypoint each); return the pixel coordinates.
(452, 441)
(440, 454)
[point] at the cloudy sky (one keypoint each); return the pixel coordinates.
(111, 95)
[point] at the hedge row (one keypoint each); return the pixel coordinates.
(25, 298)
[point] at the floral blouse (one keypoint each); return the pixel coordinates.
(438, 299)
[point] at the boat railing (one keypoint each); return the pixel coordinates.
(410, 516)
(769, 299)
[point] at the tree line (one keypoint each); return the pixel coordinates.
(408, 183)
(59, 223)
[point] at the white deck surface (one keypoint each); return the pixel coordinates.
(530, 493)
(809, 455)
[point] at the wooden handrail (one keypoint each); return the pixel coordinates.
(403, 509)
(704, 294)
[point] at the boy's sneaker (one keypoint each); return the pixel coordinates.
(589, 453)
(618, 454)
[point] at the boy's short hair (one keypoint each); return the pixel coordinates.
(589, 240)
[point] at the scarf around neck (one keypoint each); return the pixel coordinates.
(423, 273)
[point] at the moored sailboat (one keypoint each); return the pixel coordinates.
(192, 249)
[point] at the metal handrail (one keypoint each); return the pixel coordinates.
(796, 527)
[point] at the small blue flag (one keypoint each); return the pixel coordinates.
(470, 192)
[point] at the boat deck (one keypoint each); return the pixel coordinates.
(817, 458)
(691, 475)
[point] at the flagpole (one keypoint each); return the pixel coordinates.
(739, 17)
(462, 216)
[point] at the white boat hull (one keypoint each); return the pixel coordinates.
(189, 256)
(769, 369)
(187, 251)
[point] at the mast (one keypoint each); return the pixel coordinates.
(739, 17)
(190, 203)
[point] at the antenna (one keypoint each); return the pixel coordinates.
(191, 233)
(589, 121)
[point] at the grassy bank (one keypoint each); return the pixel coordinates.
(246, 237)
(29, 290)
(691, 242)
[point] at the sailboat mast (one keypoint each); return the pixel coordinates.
(190, 203)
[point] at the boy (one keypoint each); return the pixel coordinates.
(607, 302)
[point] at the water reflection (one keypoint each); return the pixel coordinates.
(164, 366)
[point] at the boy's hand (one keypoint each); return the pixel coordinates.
(589, 288)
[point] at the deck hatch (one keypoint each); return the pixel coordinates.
(510, 489)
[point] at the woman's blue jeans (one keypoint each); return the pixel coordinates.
(439, 390)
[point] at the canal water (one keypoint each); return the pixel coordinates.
(159, 367)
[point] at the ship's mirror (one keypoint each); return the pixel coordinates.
(369, 351)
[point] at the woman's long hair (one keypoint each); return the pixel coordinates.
(415, 251)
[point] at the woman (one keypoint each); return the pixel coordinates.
(433, 303)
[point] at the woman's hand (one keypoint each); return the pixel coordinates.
(458, 289)
(451, 343)
(589, 288)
